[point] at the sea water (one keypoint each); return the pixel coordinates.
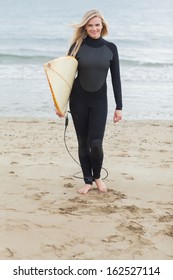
(34, 31)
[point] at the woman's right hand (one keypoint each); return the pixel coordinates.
(57, 113)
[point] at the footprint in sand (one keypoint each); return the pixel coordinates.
(131, 228)
(109, 196)
(68, 210)
(113, 238)
(166, 218)
(134, 234)
(134, 209)
(6, 253)
(135, 227)
(114, 194)
(51, 249)
(127, 177)
(37, 196)
(167, 231)
(68, 186)
(11, 172)
(108, 209)
(79, 200)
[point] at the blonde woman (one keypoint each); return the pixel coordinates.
(88, 100)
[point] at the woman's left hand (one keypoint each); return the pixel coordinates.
(117, 115)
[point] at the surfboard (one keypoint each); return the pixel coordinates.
(60, 73)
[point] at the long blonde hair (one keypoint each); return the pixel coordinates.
(80, 32)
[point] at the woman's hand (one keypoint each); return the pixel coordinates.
(57, 113)
(117, 115)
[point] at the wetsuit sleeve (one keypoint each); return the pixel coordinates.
(115, 75)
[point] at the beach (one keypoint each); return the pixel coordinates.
(43, 216)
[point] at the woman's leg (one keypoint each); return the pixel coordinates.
(80, 114)
(98, 117)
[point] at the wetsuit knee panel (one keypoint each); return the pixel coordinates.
(83, 146)
(96, 148)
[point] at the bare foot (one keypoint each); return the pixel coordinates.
(101, 185)
(85, 189)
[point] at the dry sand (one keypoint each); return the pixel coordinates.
(43, 217)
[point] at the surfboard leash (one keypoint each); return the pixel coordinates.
(65, 142)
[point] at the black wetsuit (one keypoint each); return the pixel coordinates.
(88, 101)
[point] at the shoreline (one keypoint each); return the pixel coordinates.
(39, 198)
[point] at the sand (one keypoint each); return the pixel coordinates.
(42, 216)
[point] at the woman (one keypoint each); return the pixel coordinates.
(88, 100)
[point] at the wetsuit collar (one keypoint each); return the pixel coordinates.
(94, 42)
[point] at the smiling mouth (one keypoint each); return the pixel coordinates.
(95, 33)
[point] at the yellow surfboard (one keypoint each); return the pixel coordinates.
(60, 73)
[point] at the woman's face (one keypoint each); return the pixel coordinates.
(94, 27)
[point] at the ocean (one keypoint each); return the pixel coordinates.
(34, 31)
